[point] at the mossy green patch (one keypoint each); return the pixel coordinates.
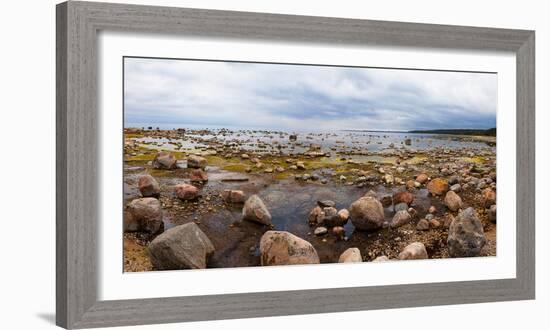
(133, 135)
(474, 160)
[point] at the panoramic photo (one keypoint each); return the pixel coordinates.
(240, 164)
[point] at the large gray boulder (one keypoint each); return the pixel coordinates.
(181, 247)
(145, 214)
(466, 237)
(367, 213)
(283, 248)
(255, 210)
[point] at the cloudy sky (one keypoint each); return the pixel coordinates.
(179, 93)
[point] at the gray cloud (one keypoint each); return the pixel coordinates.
(295, 97)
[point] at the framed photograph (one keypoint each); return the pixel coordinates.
(217, 164)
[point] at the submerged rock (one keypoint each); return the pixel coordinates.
(466, 237)
(386, 200)
(181, 247)
(367, 213)
(284, 248)
(233, 196)
(148, 186)
(326, 203)
(413, 251)
(255, 210)
(146, 215)
(165, 161)
(400, 207)
(350, 255)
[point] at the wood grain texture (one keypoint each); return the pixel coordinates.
(77, 186)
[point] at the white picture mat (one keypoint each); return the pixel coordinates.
(114, 284)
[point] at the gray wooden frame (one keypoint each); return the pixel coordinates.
(77, 182)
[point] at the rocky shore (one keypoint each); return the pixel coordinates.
(222, 198)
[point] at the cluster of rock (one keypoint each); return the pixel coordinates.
(186, 246)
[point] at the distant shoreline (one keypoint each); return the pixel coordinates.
(474, 132)
(491, 132)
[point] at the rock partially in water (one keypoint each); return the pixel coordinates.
(181, 247)
(165, 161)
(284, 248)
(413, 251)
(350, 255)
(466, 237)
(194, 161)
(146, 215)
(233, 196)
(367, 213)
(331, 217)
(438, 186)
(255, 210)
(403, 197)
(400, 218)
(316, 216)
(320, 231)
(400, 207)
(386, 200)
(453, 201)
(148, 186)
(344, 215)
(186, 192)
(339, 232)
(198, 176)
(326, 203)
